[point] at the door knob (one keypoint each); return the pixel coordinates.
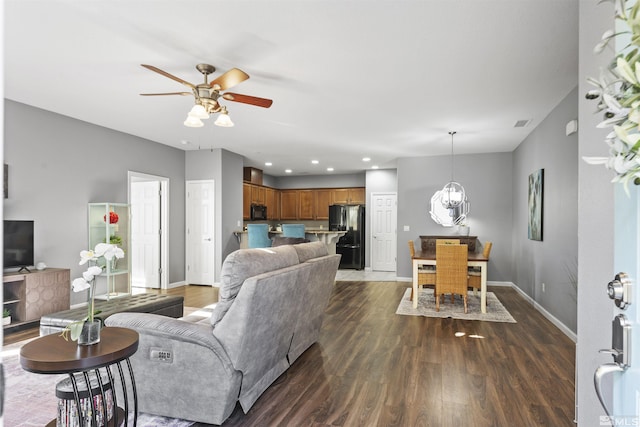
(619, 290)
(600, 373)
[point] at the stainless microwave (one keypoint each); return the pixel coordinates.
(258, 212)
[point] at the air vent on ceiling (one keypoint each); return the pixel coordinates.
(521, 123)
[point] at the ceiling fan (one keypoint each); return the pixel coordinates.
(208, 94)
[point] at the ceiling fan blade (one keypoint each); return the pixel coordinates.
(167, 93)
(171, 76)
(229, 79)
(246, 99)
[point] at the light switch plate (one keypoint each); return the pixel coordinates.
(406, 228)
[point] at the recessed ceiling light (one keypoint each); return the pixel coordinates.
(329, 169)
(288, 171)
(268, 164)
(184, 142)
(374, 167)
(366, 159)
(315, 162)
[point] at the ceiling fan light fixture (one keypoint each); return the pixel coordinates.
(193, 122)
(223, 119)
(199, 112)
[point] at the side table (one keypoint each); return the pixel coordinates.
(52, 354)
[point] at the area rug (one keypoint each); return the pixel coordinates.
(30, 398)
(427, 307)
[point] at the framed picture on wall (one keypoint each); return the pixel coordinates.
(536, 188)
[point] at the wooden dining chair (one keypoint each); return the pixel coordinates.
(475, 272)
(451, 272)
(426, 274)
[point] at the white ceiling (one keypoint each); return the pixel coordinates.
(349, 79)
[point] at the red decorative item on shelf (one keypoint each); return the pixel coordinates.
(113, 218)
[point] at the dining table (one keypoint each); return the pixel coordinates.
(474, 259)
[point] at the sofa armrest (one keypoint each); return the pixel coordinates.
(162, 327)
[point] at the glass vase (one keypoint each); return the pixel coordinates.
(90, 333)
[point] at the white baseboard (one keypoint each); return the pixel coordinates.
(550, 317)
(404, 279)
(176, 284)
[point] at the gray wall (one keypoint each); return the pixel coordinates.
(487, 179)
(226, 169)
(317, 181)
(58, 164)
(595, 222)
(554, 260)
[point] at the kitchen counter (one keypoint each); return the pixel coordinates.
(328, 237)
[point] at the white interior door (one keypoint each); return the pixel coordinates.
(200, 261)
(145, 234)
(383, 231)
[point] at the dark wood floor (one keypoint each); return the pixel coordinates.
(372, 367)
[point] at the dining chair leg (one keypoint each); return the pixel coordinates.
(465, 304)
(437, 302)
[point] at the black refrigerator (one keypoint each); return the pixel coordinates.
(349, 218)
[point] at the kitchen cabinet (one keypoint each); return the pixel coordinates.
(246, 201)
(350, 196)
(258, 195)
(306, 204)
(298, 204)
(272, 201)
(322, 202)
(289, 201)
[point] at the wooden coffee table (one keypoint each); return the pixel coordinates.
(52, 354)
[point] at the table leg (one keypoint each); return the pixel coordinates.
(415, 283)
(135, 394)
(77, 396)
(483, 288)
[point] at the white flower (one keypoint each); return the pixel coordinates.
(101, 249)
(91, 273)
(80, 284)
(86, 256)
(625, 71)
(608, 35)
(113, 251)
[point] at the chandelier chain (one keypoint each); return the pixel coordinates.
(452, 133)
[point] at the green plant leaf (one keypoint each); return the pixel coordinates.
(76, 329)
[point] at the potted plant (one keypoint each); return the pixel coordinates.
(6, 317)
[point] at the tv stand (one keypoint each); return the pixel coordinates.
(24, 268)
(29, 296)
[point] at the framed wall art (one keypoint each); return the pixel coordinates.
(536, 189)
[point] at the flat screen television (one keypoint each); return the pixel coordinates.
(18, 244)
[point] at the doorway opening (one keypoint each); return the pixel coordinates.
(149, 201)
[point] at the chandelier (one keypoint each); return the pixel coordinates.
(449, 206)
(199, 113)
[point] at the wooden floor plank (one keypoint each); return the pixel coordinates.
(372, 367)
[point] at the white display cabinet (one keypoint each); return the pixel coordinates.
(111, 223)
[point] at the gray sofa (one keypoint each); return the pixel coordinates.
(270, 310)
